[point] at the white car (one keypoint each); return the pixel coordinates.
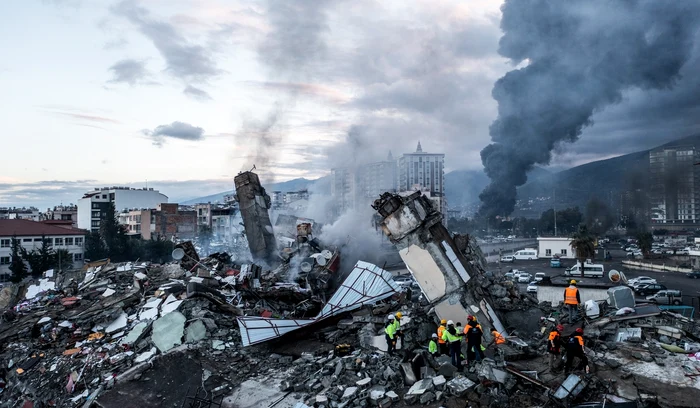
(539, 276)
(524, 278)
(642, 280)
(532, 287)
(508, 258)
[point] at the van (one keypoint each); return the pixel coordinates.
(590, 270)
(527, 253)
(667, 297)
(555, 263)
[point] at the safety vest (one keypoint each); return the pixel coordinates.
(440, 332)
(554, 337)
(576, 340)
(390, 330)
(467, 327)
(449, 337)
(570, 296)
(397, 325)
(432, 347)
(499, 339)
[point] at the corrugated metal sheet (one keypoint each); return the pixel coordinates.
(366, 284)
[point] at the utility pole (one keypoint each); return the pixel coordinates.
(554, 207)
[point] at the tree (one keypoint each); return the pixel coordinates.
(94, 247)
(63, 260)
(584, 245)
(17, 265)
(114, 236)
(644, 240)
(599, 217)
(42, 259)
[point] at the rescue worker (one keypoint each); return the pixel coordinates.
(390, 334)
(474, 335)
(451, 337)
(554, 346)
(442, 344)
(433, 346)
(574, 348)
(572, 300)
(497, 338)
(397, 326)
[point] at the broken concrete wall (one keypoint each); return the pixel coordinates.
(430, 254)
(254, 204)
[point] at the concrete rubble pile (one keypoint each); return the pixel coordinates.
(294, 330)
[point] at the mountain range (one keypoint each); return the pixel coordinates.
(605, 179)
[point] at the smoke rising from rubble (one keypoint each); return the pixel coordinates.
(581, 57)
(260, 137)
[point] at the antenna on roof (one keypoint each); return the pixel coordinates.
(253, 168)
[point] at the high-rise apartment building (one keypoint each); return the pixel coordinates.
(674, 188)
(425, 172)
(92, 207)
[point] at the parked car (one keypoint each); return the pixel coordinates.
(404, 280)
(649, 289)
(524, 278)
(539, 276)
(532, 287)
(640, 280)
(682, 252)
(694, 274)
(508, 258)
(667, 297)
(555, 263)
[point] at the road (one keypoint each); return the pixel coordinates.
(672, 280)
(491, 251)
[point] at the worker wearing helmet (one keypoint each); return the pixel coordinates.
(554, 346)
(451, 336)
(433, 346)
(442, 344)
(575, 349)
(390, 334)
(572, 300)
(397, 326)
(475, 350)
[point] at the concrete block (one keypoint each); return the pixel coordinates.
(377, 394)
(421, 387)
(364, 383)
(349, 393)
(447, 370)
(322, 399)
(427, 397)
(394, 396)
(385, 403)
(459, 386)
(410, 399)
(439, 382)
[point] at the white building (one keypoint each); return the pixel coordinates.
(425, 172)
(93, 206)
(30, 233)
(345, 188)
(550, 246)
(379, 177)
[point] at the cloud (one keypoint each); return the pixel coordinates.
(196, 93)
(324, 92)
(175, 130)
(92, 119)
(184, 59)
(129, 71)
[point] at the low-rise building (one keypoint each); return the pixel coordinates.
(62, 213)
(550, 246)
(92, 207)
(166, 221)
(24, 213)
(30, 233)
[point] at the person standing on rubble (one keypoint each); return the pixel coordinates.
(474, 335)
(442, 343)
(390, 334)
(574, 348)
(397, 327)
(554, 346)
(452, 338)
(433, 346)
(572, 300)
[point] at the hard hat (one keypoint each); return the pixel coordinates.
(470, 317)
(399, 315)
(450, 322)
(390, 317)
(443, 321)
(579, 330)
(434, 335)
(560, 327)
(573, 282)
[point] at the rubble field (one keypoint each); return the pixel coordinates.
(296, 330)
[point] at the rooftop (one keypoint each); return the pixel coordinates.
(10, 228)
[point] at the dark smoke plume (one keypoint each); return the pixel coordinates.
(581, 56)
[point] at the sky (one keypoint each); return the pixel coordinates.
(181, 95)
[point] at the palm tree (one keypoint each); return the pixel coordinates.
(584, 245)
(645, 239)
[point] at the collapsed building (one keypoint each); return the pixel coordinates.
(213, 332)
(254, 204)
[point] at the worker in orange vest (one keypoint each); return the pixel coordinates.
(554, 345)
(575, 349)
(572, 299)
(497, 338)
(442, 343)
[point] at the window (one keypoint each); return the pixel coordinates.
(4, 260)
(58, 241)
(95, 205)
(95, 214)
(69, 241)
(49, 241)
(4, 243)
(79, 241)
(547, 252)
(77, 257)
(563, 252)
(104, 196)
(26, 240)
(37, 239)
(95, 224)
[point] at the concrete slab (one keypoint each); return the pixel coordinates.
(254, 394)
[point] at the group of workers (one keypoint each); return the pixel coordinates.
(573, 345)
(448, 340)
